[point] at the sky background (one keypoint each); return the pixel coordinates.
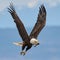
(28, 10)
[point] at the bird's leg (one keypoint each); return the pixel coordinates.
(23, 52)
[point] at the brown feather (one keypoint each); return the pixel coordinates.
(41, 20)
(19, 24)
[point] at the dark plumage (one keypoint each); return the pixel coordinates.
(41, 20)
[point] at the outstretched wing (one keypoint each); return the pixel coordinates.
(41, 20)
(18, 22)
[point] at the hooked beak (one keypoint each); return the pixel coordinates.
(37, 44)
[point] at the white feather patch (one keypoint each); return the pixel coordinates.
(18, 43)
(34, 41)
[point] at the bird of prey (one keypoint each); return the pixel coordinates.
(28, 40)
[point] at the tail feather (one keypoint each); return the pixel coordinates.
(18, 43)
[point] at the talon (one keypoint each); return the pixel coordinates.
(23, 53)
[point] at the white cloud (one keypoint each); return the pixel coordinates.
(51, 3)
(27, 3)
(32, 3)
(18, 3)
(3, 4)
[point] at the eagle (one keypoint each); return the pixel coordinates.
(28, 40)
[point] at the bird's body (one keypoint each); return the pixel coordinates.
(28, 40)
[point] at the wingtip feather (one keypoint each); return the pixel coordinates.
(11, 8)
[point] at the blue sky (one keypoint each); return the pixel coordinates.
(28, 12)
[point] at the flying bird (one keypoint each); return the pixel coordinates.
(28, 40)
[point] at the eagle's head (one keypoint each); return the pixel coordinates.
(34, 41)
